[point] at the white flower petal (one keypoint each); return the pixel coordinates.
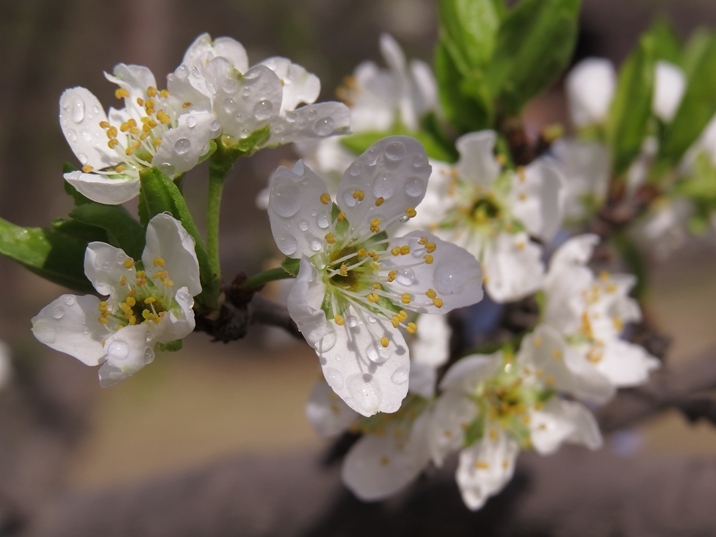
(468, 372)
(327, 413)
(299, 219)
(485, 468)
(188, 92)
(70, 324)
(179, 321)
(422, 379)
(590, 89)
(381, 465)
(576, 251)
(183, 145)
(246, 104)
(535, 199)
(513, 266)
(315, 121)
(395, 169)
(128, 350)
(104, 266)
(563, 421)
(425, 90)
(451, 414)
(299, 86)
(432, 344)
(477, 162)
(370, 378)
(203, 50)
(167, 239)
(454, 274)
(626, 364)
(304, 303)
(80, 116)
(135, 79)
(103, 189)
(669, 88)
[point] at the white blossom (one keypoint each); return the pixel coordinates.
(145, 308)
(669, 88)
(152, 130)
(215, 76)
(355, 282)
(590, 89)
(493, 213)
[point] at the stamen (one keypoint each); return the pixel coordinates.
(428, 259)
(384, 341)
(158, 262)
(121, 93)
(128, 263)
(411, 212)
(358, 195)
(325, 198)
(405, 298)
(330, 238)
(412, 328)
(340, 321)
(379, 201)
(438, 302)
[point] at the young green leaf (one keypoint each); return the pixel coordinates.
(122, 230)
(694, 49)
(666, 42)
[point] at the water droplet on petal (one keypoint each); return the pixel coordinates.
(322, 221)
(263, 110)
(82, 158)
(85, 330)
(374, 354)
(419, 161)
(403, 219)
(58, 312)
(415, 187)
(365, 392)
(181, 73)
(328, 340)
(400, 375)
(286, 200)
(372, 156)
(349, 199)
(70, 300)
(355, 168)
(148, 354)
(405, 276)
(191, 122)
(87, 135)
(78, 110)
(71, 135)
(323, 127)
(182, 146)
(383, 186)
(312, 113)
(315, 245)
(351, 321)
(215, 128)
(118, 349)
(95, 110)
(395, 151)
(287, 244)
(450, 277)
(303, 225)
(229, 106)
(334, 378)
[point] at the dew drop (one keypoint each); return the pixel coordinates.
(303, 225)
(372, 320)
(263, 110)
(312, 113)
(291, 117)
(395, 151)
(351, 321)
(85, 331)
(355, 168)
(403, 219)
(87, 135)
(323, 127)
(405, 276)
(334, 378)
(414, 187)
(400, 375)
(181, 73)
(58, 313)
(191, 122)
(322, 221)
(70, 300)
(419, 161)
(71, 135)
(95, 110)
(371, 156)
(148, 336)
(246, 92)
(63, 122)
(82, 158)
(229, 84)
(245, 133)
(287, 244)
(78, 110)
(252, 75)
(450, 277)
(383, 187)
(229, 105)
(314, 212)
(348, 198)
(182, 146)
(118, 349)
(328, 341)
(374, 354)
(286, 200)
(315, 245)
(214, 128)
(148, 354)
(365, 392)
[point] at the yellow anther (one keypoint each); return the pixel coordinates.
(144, 136)
(103, 305)
(158, 262)
(385, 461)
(375, 225)
(325, 198)
(124, 127)
(125, 307)
(395, 321)
(129, 151)
(168, 283)
(403, 315)
(618, 324)
(113, 143)
(373, 298)
(557, 354)
(112, 132)
(186, 104)
(384, 341)
(522, 196)
(123, 281)
(482, 465)
(131, 300)
(362, 252)
(501, 159)
(164, 93)
(104, 124)
(395, 251)
(103, 320)
(141, 274)
(146, 314)
(140, 101)
(422, 241)
(405, 298)
(163, 117)
(374, 255)
(87, 168)
(377, 286)
(121, 93)
(411, 212)
(537, 341)
(391, 275)
(520, 245)
(358, 195)
(404, 250)
(150, 300)
(128, 263)
(120, 168)
(428, 259)
(341, 216)
(412, 328)
(430, 293)
(379, 201)
(340, 321)
(344, 270)
(149, 104)
(151, 91)
(157, 142)
(137, 144)
(438, 302)
(521, 174)
(604, 276)
(131, 292)
(431, 247)
(132, 319)
(330, 238)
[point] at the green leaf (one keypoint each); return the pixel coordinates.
(172, 346)
(55, 256)
(666, 43)
(534, 45)
(466, 101)
(468, 30)
(359, 142)
(159, 194)
(631, 108)
(694, 49)
(122, 230)
(80, 199)
(291, 266)
(697, 108)
(80, 231)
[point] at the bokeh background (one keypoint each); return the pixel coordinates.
(58, 430)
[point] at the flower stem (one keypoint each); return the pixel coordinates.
(262, 278)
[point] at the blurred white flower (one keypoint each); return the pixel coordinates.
(590, 89)
(669, 88)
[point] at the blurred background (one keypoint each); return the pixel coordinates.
(58, 429)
